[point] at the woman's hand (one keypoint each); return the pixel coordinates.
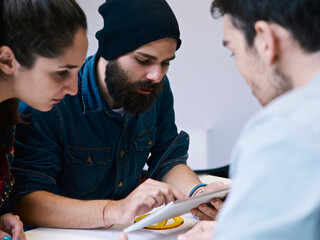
(11, 226)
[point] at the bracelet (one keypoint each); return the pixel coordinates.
(103, 210)
(196, 187)
(198, 192)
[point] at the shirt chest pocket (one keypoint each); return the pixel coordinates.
(143, 143)
(84, 170)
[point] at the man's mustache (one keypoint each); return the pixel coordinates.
(147, 85)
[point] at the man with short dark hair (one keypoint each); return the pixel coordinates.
(276, 162)
(80, 165)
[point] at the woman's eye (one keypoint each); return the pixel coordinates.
(63, 73)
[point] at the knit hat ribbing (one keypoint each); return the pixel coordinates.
(129, 24)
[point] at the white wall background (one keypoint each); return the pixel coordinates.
(212, 101)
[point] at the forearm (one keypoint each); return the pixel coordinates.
(45, 209)
(182, 178)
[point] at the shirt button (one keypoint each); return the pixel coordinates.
(122, 153)
(120, 184)
(149, 142)
(90, 161)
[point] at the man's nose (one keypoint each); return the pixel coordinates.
(155, 73)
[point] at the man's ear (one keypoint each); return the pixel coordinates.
(266, 42)
(7, 60)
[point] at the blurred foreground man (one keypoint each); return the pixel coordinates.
(276, 161)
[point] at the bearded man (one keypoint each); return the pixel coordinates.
(80, 165)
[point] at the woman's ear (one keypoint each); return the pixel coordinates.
(7, 60)
(266, 42)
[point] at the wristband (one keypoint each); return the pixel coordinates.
(196, 187)
(103, 210)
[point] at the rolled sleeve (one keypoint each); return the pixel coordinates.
(176, 154)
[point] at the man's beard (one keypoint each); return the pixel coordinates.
(125, 93)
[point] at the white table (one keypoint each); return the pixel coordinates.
(110, 234)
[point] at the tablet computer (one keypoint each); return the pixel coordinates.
(176, 208)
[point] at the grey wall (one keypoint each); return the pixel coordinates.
(212, 101)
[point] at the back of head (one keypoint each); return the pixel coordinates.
(129, 24)
(300, 17)
(43, 28)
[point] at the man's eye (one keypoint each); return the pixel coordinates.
(142, 61)
(63, 73)
(165, 64)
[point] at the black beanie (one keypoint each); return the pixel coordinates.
(130, 24)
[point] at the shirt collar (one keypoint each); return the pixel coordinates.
(315, 82)
(91, 96)
(294, 96)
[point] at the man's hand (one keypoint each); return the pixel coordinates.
(123, 236)
(10, 225)
(204, 230)
(148, 195)
(210, 211)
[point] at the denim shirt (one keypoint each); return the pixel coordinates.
(83, 149)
